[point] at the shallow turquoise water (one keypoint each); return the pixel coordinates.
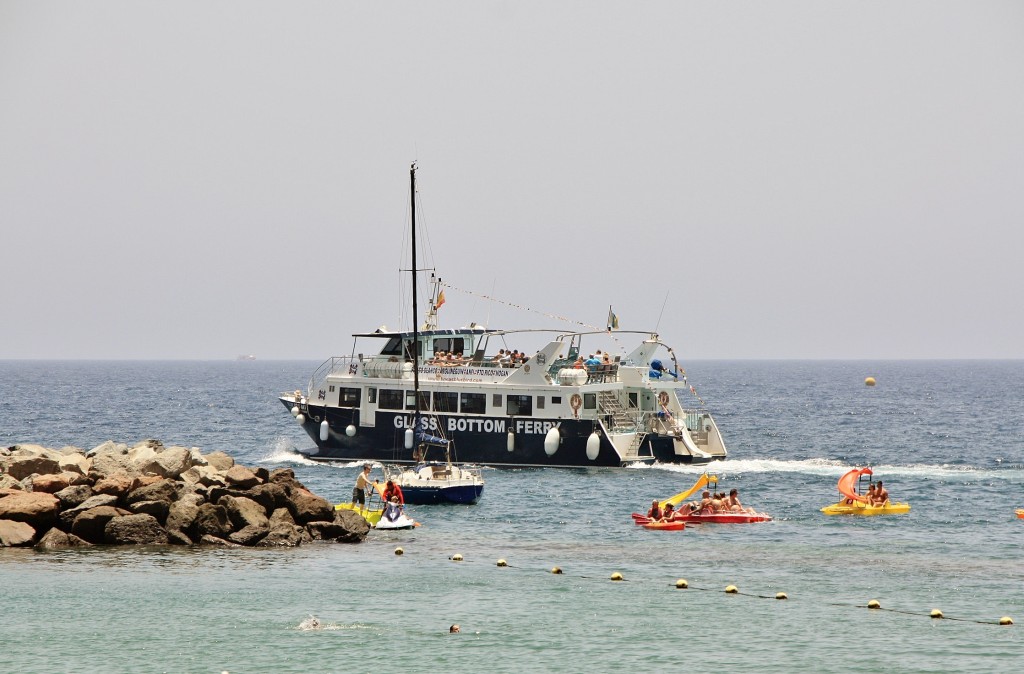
(946, 437)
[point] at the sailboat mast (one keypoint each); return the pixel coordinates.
(415, 311)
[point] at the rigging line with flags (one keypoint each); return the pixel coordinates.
(519, 306)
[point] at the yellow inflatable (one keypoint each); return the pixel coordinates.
(859, 508)
(857, 504)
(371, 516)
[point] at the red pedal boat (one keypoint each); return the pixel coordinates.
(685, 515)
(711, 518)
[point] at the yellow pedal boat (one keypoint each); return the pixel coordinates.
(858, 508)
(854, 503)
(1020, 513)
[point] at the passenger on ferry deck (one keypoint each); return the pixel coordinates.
(592, 361)
(499, 357)
(458, 359)
(606, 358)
(655, 511)
(579, 363)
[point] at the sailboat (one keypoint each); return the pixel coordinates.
(429, 482)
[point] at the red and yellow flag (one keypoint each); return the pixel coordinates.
(440, 300)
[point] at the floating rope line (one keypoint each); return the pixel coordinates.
(681, 584)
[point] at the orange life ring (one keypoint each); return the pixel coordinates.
(663, 398)
(576, 401)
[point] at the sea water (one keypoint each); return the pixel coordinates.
(947, 437)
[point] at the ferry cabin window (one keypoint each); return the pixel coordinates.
(348, 397)
(450, 345)
(473, 403)
(632, 399)
(410, 400)
(393, 347)
(331, 389)
(496, 400)
(391, 399)
(540, 402)
(408, 349)
(446, 401)
(517, 405)
(556, 400)
(371, 395)
(590, 401)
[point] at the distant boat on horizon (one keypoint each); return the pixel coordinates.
(246, 357)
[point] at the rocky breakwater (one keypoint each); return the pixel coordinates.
(149, 494)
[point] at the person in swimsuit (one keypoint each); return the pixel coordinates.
(734, 502)
(362, 482)
(668, 513)
(881, 495)
(655, 512)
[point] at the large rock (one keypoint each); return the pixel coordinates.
(183, 513)
(219, 461)
(8, 482)
(138, 529)
(163, 490)
(36, 508)
(67, 517)
(90, 524)
(271, 496)
(244, 512)
(73, 460)
(205, 475)
(284, 533)
(109, 447)
(55, 538)
(241, 477)
(16, 534)
(170, 462)
(211, 520)
(249, 535)
(158, 509)
(286, 478)
(73, 496)
(117, 483)
(353, 525)
(21, 467)
(248, 518)
(308, 507)
(52, 483)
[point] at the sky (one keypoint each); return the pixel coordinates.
(753, 180)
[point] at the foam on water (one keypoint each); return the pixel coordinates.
(831, 467)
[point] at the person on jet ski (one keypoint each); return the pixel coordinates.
(393, 510)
